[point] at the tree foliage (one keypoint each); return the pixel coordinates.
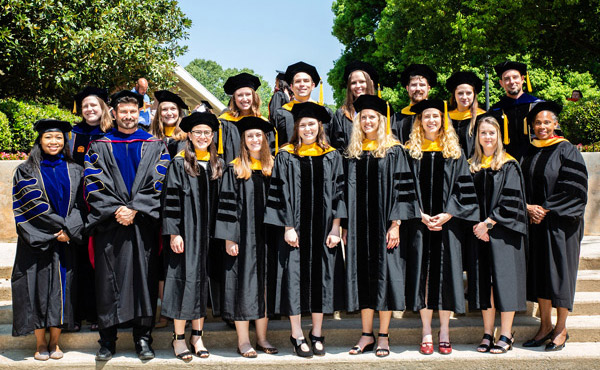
(560, 36)
(212, 75)
(52, 48)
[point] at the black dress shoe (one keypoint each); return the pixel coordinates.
(536, 343)
(144, 350)
(556, 347)
(105, 353)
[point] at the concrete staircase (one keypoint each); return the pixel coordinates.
(582, 350)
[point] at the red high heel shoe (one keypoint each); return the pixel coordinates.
(445, 348)
(426, 348)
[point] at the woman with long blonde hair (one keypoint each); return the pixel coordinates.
(240, 217)
(446, 196)
(496, 260)
(380, 194)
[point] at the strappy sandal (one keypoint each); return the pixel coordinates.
(185, 356)
(483, 348)
(200, 353)
(297, 343)
(367, 348)
(496, 349)
(314, 340)
(383, 352)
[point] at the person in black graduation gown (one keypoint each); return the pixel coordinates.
(165, 125)
(239, 222)
(49, 215)
(514, 107)
(434, 276)
(361, 78)
(496, 258)
(90, 102)
(418, 79)
(306, 202)
(124, 172)
(464, 108)
(556, 183)
(380, 193)
(187, 214)
(281, 95)
(302, 78)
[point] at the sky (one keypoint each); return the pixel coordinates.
(263, 35)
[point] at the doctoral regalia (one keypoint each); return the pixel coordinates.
(307, 192)
(80, 138)
(402, 124)
(434, 258)
(284, 122)
(231, 136)
(461, 121)
(378, 192)
(277, 101)
(188, 207)
(499, 263)
(555, 178)
(240, 219)
(45, 201)
(516, 113)
(125, 170)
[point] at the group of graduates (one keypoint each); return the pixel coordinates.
(250, 215)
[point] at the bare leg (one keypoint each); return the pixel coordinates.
(40, 337)
(295, 322)
(242, 328)
(196, 340)
(489, 317)
(54, 335)
(545, 307)
(444, 325)
(317, 322)
(560, 331)
(261, 332)
(426, 318)
(384, 326)
(366, 316)
(179, 346)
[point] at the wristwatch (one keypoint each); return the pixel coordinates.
(489, 225)
(397, 222)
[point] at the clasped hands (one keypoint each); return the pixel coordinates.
(62, 236)
(536, 213)
(125, 215)
(434, 223)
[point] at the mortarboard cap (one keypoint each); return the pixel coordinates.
(45, 125)
(253, 122)
(419, 70)
(166, 95)
(542, 106)
(358, 65)
(371, 102)
(311, 110)
(459, 78)
(500, 68)
(241, 80)
(199, 118)
(114, 98)
(296, 68)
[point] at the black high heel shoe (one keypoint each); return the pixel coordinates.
(383, 352)
(185, 356)
(297, 343)
(201, 353)
(536, 343)
(313, 342)
(483, 348)
(551, 347)
(496, 349)
(367, 348)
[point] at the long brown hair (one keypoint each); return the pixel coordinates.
(234, 110)
(191, 163)
(106, 121)
(296, 141)
(242, 168)
(348, 106)
(473, 108)
(157, 129)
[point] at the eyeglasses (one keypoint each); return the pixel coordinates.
(199, 133)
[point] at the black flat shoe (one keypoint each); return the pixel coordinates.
(537, 343)
(106, 351)
(551, 347)
(496, 349)
(297, 343)
(367, 348)
(483, 348)
(383, 352)
(313, 342)
(144, 350)
(200, 353)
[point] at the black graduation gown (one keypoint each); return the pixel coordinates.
(516, 111)
(378, 191)
(307, 193)
(187, 210)
(284, 122)
(402, 124)
(465, 139)
(231, 137)
(80, 138)
(173, 146)
(340, 130)
(37, 287)
(240, 219)
(556, 179)
(435, 257)
(499, 263)
(277, 101)
(126, 257)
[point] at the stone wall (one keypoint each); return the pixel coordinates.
(7, 223)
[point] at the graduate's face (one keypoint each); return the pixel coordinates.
(52, 142)
(464, 96)
(126, 115)
(358, 83)
(418, 89)
(253, 139)
(512, 82)
(302, 85)
(431, 121)
(243, 99)
(308, 130)
(201, 136)
(369, 123)
(91, 110)
(544, 125)
(169, 113)
(488, 137)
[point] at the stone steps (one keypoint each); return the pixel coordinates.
(464, 357)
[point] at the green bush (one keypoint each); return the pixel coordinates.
(21, 117)
(580, 121)
(5, 136)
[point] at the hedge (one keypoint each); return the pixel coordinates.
(580, 121)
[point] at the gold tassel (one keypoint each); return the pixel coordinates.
(70, 135)
(321, 92)
(445, 115)
(220, 150)
(525, 126)
(506, 140)
(388, 129)
(529, 134)
(379, 92)
(529, 89)
(74, 107)
(276, 141)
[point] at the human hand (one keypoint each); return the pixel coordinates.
(392, 237)
(291, 237)
(333, 238)
(231, 248)
(177, 244)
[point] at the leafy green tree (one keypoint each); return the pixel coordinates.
(51, 48)
(210, 74)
